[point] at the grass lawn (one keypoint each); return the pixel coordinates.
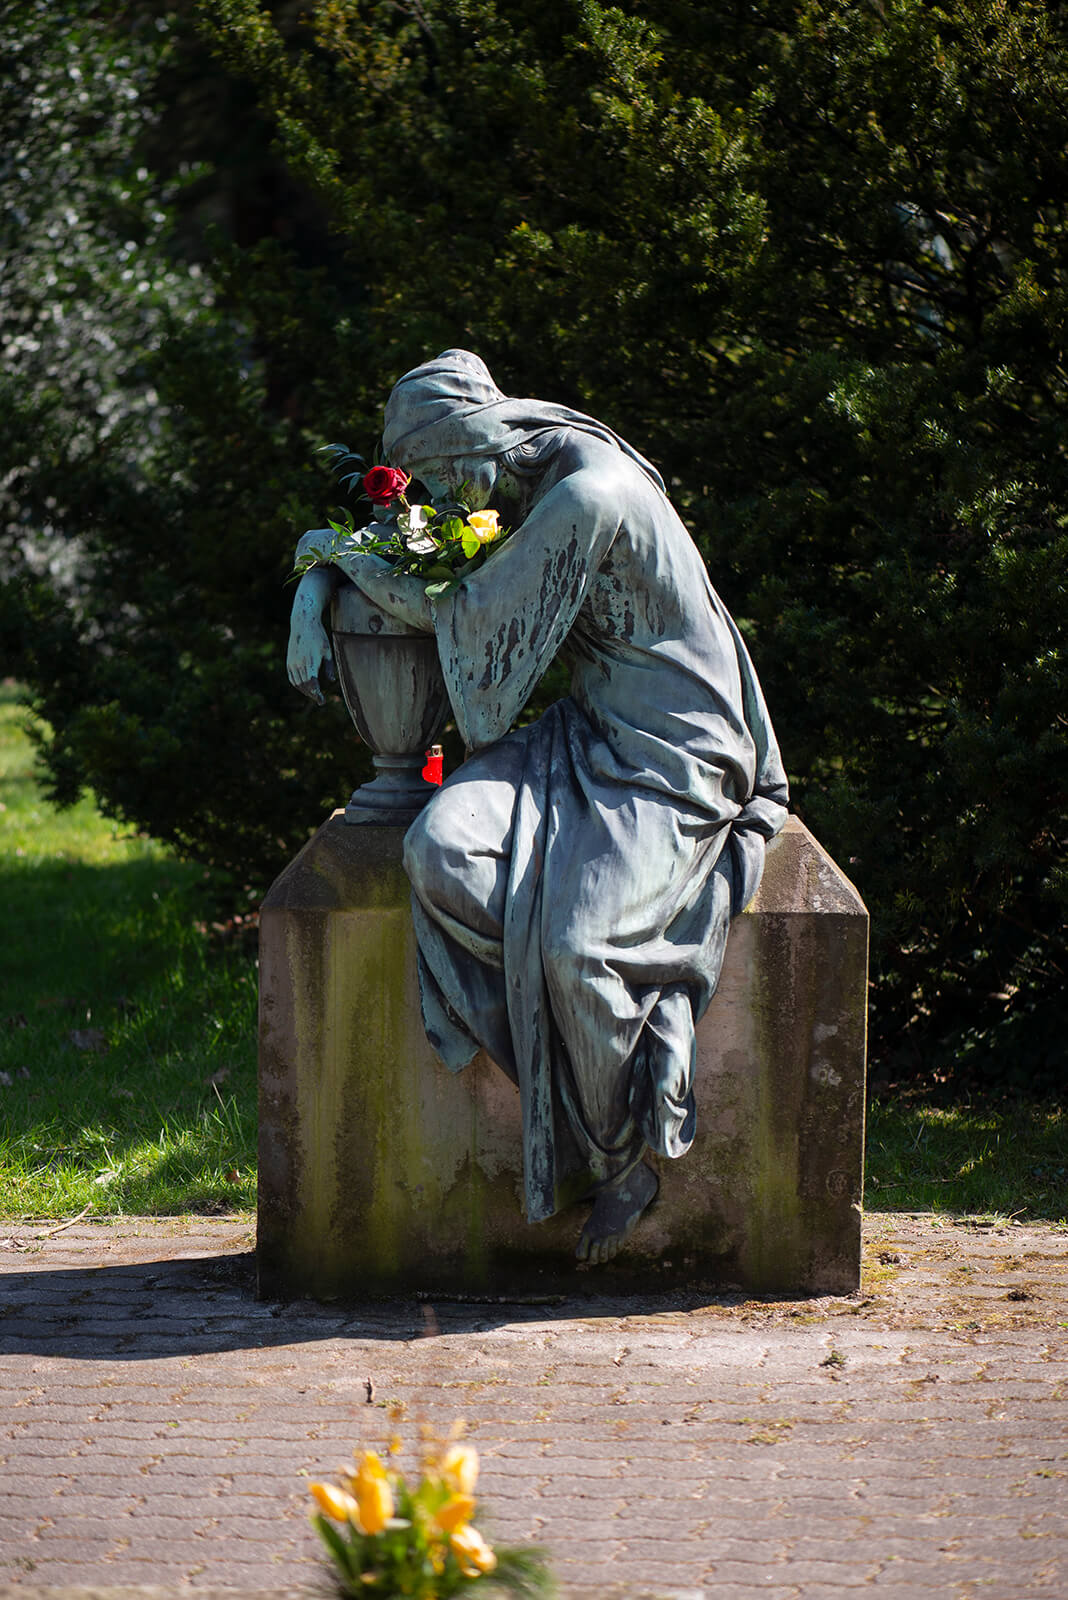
(127, 1036)
(128, 1045)
(984, 1161)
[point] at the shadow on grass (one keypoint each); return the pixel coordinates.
(127, 1043)
(84, 933)
(981, 1160)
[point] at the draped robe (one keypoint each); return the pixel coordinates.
(574, 880)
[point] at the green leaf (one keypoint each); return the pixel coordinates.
(471, 543)
(524, 1573)
(342, 1552)
(436, 590)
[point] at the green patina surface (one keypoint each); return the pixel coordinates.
(774, 1251)
(367, 996)
(375, 1165)
(305, 954)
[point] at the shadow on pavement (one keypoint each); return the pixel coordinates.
(152, 1309)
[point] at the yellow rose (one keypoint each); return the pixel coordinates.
(484, 525)
(374, 1497)
(459, 1465)
(335, 1502)
(457, 1510)
(472, 1552)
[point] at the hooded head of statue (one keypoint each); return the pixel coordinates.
(450, 408)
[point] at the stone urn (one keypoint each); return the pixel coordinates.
(391, 679)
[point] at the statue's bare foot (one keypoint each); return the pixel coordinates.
(617, 1206)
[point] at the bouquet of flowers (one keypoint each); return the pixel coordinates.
(439, 541)
(389, 1539)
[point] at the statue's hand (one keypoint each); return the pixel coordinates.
(309, 653)
(314, 539)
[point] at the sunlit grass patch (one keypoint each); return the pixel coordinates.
(997, 1161)
(127, 1041)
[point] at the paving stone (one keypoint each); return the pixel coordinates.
(687, 1448)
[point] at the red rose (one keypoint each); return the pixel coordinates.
(383, 485)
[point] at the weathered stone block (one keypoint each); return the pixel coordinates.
(380, 1170)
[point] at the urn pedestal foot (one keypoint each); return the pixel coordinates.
(395, 797)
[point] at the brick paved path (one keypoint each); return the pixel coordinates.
(158, 1425)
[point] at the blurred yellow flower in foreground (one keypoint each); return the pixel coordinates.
(457, 1510)
(472, 1552)
(417, 1539)
(459, 1467)
(374, 1497)
(335, 1502)
(485, 525)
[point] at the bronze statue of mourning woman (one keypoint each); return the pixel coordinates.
(574, 880)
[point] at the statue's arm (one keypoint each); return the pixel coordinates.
(309, 651)
(402, 596)
(396, 592)
(499, 629)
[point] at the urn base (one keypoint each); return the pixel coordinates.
(395, 797)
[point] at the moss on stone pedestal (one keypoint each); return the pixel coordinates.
(381, 1171)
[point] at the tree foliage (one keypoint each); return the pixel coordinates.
(810, 257)
(151, 472)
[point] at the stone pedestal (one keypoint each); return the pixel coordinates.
(381, 1171)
